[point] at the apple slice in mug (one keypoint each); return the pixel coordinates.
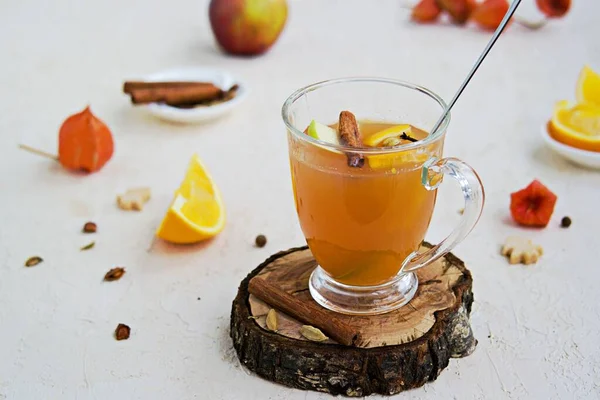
(323, 133)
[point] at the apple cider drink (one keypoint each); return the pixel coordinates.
(362, 214)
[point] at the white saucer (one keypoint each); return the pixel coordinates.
(589, 159)
(219, 78)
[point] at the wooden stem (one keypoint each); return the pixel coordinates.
(309, 313)
(38, 152)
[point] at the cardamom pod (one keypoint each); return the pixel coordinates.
(33, 261)
(312, 333)
(88, 246)
(391, 142)
(114, 274)
(272, 320)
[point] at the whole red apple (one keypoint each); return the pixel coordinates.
(247, 27)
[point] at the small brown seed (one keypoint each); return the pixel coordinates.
(122, 332)
(89, 227)
(565, 222)
(33, 261)
(272, 320)
(114, 274)
(261, 241)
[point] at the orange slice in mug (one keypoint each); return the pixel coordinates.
(388, 138)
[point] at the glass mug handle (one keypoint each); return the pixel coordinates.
(472, 189)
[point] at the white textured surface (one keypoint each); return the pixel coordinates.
(56, 320)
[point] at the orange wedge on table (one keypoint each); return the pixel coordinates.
(196, 212)
(576, 125)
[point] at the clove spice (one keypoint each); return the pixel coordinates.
(405, 136)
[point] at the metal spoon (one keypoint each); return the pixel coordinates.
(499, 30)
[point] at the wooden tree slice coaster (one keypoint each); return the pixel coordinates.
(399, 350)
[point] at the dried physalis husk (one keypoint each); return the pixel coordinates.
(312, 333)
(88, 246)
(33, 261)
(114, 274)
(122, 332)
(272, 320)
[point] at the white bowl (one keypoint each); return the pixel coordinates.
(589, 159)
(219, 78)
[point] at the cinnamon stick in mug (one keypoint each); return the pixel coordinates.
(350, 136)
(305, 311)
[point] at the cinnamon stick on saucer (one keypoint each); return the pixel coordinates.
(175, 95)
(130, 86)
(350, 136)
(224, 96)
(178, 94)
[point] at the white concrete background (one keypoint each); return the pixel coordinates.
(537, 325)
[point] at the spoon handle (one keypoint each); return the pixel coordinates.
(499, 30)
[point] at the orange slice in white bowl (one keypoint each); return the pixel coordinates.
(576, 125)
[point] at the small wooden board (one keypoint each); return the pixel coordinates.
(399, 350)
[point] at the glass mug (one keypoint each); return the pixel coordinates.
(365, 226)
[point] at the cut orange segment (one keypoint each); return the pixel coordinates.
(588, 87)
(197, 212)
(390, 137)
(378, 138)
(397, 160)
(577, 126)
